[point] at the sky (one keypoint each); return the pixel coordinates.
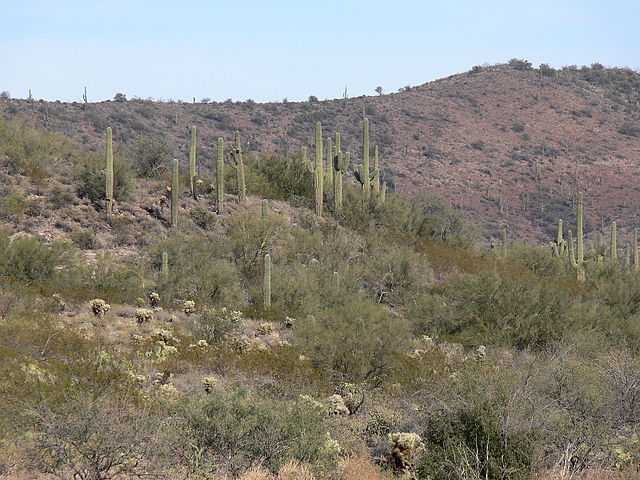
(271, 50)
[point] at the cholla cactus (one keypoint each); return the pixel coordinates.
(289, 322)
(265, 328)
(144, 315)
(209, 383)
(481, 353)
(404, 450)
(99, 307)
(154, 299)
(189, 307)
(336, 406)
(352, 396)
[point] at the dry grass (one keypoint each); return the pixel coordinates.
(361, 468)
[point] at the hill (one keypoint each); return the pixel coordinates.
(508, 144)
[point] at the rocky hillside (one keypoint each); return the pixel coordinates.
(508, 144)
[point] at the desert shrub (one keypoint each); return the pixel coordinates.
(84, 239)
(241, 431)
(29, 260)
(471, 443)
(32, 152)
(151, 156)
(119, 280)
(92, 438)
(203, 218)
(90, 179)
(519, 64)
(251, 237)
(427, 216)
(375, 340)
(199, 269)
(522, 311)
(15, 204)
(282, 178)
(60, 197)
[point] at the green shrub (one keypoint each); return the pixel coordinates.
(151, 156)
(90, 179)
(375, 340)
(240, 432)
(29, 260)
(199, 270)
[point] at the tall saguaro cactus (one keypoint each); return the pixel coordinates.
(174, 193)
(340, 165)
(109, 173)
(319, 171)
(363, 172)
(614, 242)
(220, 174)
(192, 163)
(329, 169)
(164, 269)
(636, 258)
(266, 285)
(236, 161)
(376, 169)
(365, 160)
(577, 262)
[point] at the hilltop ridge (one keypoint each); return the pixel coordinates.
(508, 144)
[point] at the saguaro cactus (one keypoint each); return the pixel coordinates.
(363, 173)
(560, 246)
(236, 161)
(164, 269)
(376, 169)
(319, 171)
(366, 185)
(265, 208)
(220, 174)
(109, 173)
(577, 261)
(636, 258)
(174, 193)
(329, 169)
(614, 242)
(627, 255)
(504, 242)
(266, 285)
(340, 165)
(192, 163)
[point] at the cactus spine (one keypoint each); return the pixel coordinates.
(319, 171)
(220, 174)
(577, 262)
(266, 286)
(614, 242)
(192, 163)
(236, 161)
(164, 269)
(174, 194)
(109, 173)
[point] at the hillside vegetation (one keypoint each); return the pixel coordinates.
(509, 144)
(395, 343)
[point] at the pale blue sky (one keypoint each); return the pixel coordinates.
(275, 49)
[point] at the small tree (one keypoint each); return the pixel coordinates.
(379, 90)
(119, 97)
